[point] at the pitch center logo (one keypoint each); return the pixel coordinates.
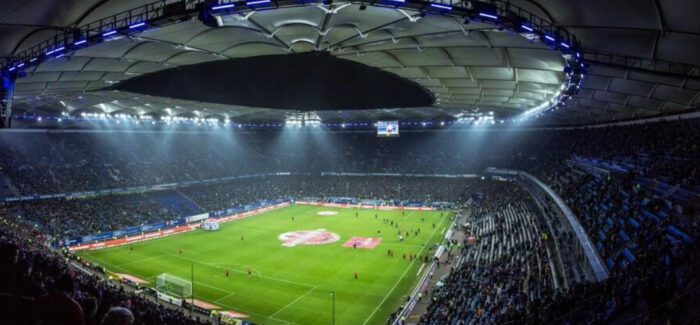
(308, 237)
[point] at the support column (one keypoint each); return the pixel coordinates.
(7, 87)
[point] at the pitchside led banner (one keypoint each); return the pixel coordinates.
(387, 128)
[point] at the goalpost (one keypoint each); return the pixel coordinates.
(173, 285)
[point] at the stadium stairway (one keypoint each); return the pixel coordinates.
(6, 187)
(176, 201)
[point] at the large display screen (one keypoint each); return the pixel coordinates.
(388, 128)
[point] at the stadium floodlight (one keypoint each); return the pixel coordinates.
(549, 38)
(80, 42)
(33, 59)
(137, 25)
(488, 15)
(527, 28)
(257, 2)
(108, 34)
(441, 6)
(226, 6)
(565, 45)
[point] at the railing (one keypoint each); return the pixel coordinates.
(596, 263)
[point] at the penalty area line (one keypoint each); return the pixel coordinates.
(258, 314)
(238, 271)
(294, 301)
(224, 297)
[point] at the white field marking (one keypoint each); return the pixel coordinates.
(443, 231)
(213, 287)
(262, 276)
(197, 282)
(294, 301)
(388, 293)
(420, 269)
(261, 315)
(224, 297)
(399, 280)
(235, 265)
(143, 259)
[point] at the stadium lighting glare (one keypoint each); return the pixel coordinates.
(38, 118)
(137, 25)
(20, 65)
(565, 45)
(80, 42)
(108, 34)
(226, 6)
(33, 59)
(400, 1)
(549, 38)
(441, 6)
(488, 15)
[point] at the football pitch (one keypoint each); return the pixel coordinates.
(296, 257)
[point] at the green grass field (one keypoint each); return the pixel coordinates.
(291, 284)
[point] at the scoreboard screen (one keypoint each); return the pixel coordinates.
(388, 128)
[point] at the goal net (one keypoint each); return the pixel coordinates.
(173, 285)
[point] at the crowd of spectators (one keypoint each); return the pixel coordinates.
(37, 286)
(506, 273)
(635, 190)
(66, 218)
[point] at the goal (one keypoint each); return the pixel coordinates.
(173, 285)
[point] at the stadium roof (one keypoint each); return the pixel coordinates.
(642, 57)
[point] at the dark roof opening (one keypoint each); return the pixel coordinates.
(310, 81)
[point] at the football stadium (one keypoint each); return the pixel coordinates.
(309, 162)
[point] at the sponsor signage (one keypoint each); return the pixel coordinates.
(154, 230)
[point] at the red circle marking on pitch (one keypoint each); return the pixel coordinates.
(308, 237)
